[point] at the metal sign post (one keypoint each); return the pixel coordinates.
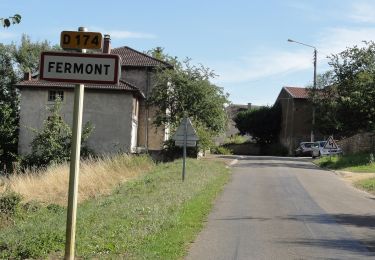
(74, 167)
(184, 149)
(185, 136)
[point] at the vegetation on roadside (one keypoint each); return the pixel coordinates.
(153, 217)
(187, 89)
(98, 176)
(367, 185)
(15, 60)
(263, 124)
(52, 144)
(347, 92)
(362, 162)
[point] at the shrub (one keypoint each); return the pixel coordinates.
(52, 144)
(9, 203)
(221, 150)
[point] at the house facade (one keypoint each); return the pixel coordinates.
(296, 123)
(122, 121)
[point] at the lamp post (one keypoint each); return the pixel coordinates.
(314, 86)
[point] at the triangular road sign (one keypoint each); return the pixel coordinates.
(330, 143)
(191, 134)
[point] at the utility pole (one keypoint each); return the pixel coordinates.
(312, 135)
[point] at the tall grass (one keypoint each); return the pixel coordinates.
(151, 217)
(97, 177)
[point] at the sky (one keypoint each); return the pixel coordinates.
(243, 41)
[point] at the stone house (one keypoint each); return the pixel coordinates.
(296, 123)
(122, 121)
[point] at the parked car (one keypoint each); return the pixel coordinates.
(304, 149)
(319, 150)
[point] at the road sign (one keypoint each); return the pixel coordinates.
(80, 68)
(330, 143)
(191, 135)
(81, 40)
(188, 143)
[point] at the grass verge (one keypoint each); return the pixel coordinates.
(366, 184)
(363, 162)
(153, 217)
(97, 177)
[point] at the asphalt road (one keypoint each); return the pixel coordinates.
(287, 208)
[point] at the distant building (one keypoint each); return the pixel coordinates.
(122, 120)
(296, 123)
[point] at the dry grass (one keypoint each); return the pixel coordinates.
(97, 177)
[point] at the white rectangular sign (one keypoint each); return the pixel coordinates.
(80, 67)
(188, 143)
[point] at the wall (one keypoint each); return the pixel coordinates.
(296, 121)
(362, 142)
(109, 111)
(149, 136)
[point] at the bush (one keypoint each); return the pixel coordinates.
(172, 152)
(236, 139)
(52, 144)
(9, 203)
(221, 150)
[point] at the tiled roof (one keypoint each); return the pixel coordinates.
(131, 57)
(37, 83)
(296, 92)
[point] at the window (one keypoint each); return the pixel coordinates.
(55, 94)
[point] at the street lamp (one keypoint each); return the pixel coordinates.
(314, 86)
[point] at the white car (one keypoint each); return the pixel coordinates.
(319, 150)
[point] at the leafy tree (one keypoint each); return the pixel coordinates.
(26, 56)
(52, 144)
(14, 61)
(262, 124)
(8, 136)
(324, 98)
(186, 90)
(6, 22)
(8, 109)
(346, 103)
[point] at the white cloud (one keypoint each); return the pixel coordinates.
(363, 12)
(6, 35)
(335, 40)
(264, 64)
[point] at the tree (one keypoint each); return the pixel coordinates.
(14, 61)
(348, 98)
(26, 56)
(52, 144)
(8, 109)
(324, 98)
(262, 124)
(15, 19)
(186, 90)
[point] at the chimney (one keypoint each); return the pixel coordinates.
(27, 76)
(248, 105)
(107, 44)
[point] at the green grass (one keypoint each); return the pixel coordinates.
(367, 185)
(356, 163)
(154, 217)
